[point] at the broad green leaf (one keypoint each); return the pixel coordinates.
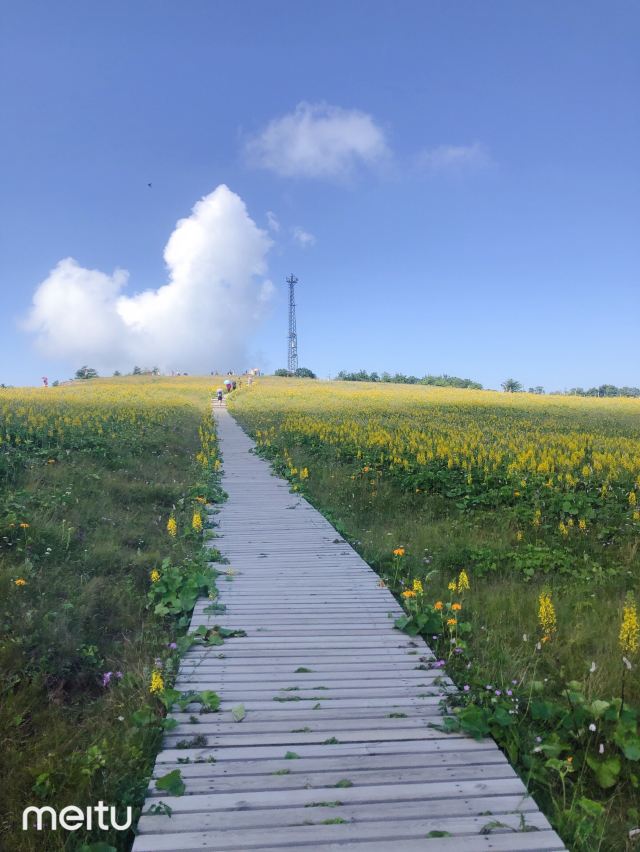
(172, 783)
(238, 712)
(606, 771)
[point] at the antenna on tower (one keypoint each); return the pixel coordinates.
(292, 354)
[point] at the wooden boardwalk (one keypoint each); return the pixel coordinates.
(335, 751)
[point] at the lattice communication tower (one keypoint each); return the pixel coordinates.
(292, 354)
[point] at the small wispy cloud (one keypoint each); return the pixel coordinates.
(318, 141)
(273, 222)
(303, 238)
(454, 158)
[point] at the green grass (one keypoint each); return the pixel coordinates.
(97, 527)
(441, 537)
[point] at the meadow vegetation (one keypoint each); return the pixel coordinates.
(102, 492)
(509, 527)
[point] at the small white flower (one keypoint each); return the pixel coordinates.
(601, 749)
(592, 727)
(539, 646)
(593, 668)
(525, 638)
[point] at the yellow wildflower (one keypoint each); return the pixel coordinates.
(408, 593)
(582, 524)
(463, 582)
(417, 586)
(20, 582)
(546, 614)
(451, 622)
(438, 605)
(564, 529)
(636, 516)
(157, 683)
(399, 551)
(201, 499)
(172, 527)
(632, 499)
(196, 522)
(24, 526)
(155, 575)
(456, 607)
(630, 627)
(536, 518)
(304, 473)
(519, 535)
(453, 586)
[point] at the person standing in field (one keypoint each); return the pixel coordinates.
(219, 396)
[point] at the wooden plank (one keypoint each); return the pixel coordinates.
(393, 831)
(361, 813)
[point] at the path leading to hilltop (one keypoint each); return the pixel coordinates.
(335, 751)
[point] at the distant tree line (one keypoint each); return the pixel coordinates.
(514, 386)
(300, 373)
(443, 381)
(91, 373)
(605, 390)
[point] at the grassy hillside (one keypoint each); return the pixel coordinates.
(537, 500)
(90, 475)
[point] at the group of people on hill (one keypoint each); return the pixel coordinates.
(229, 384)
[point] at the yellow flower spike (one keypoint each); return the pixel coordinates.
(172, 527)
(304, 473)
(196, 522)
(417, 587)
(547, 614)
(157, 682)
(632, 498)
(453, 586)
(629, 636)
(463, 582)
(154, 575)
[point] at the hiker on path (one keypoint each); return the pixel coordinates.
(219, 396)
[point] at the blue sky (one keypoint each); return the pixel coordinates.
(455, 184)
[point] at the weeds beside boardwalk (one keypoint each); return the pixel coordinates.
(537, 501)
(102, 493)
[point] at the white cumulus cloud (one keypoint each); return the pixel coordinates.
(454, 158)
(303, 238)
(319, 141)
(201, 319)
